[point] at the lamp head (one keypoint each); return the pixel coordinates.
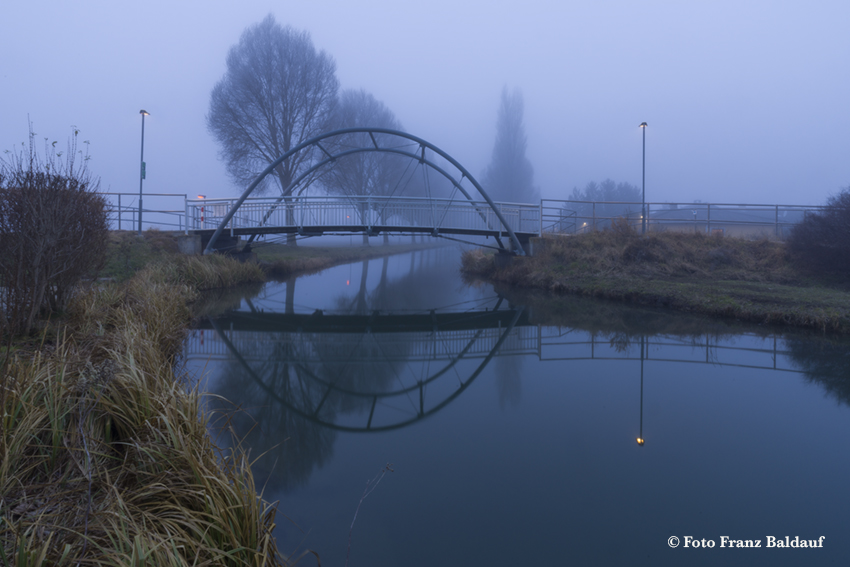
(643, 124)
(144, 113)
(640, 441)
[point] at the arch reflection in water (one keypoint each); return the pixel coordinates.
(301, 378)
(298, 379)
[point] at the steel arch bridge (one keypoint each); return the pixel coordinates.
(459, 214)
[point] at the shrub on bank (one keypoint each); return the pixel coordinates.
(53, 231)
(821, 242)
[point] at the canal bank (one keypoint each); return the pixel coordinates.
(127, 253)
(107, 454)
(746, 280)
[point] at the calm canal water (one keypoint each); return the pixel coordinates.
(512, 422)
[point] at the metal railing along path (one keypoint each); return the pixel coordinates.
(738, 219)
(123, 211)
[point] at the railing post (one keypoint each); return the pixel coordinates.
(776, 223)
(186, 211)
(708, 217)
(119, 211)
(594, 216)
(541, 217)
(646, 220)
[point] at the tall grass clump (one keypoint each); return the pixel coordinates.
(207, 272)
(105, 456)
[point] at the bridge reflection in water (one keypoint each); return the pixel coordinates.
(359, 357)
(302, 378)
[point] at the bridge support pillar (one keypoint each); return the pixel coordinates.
(526, 246)
(537, 245)
(503, 259)
(190, 244)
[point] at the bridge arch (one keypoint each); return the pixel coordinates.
(332, 154)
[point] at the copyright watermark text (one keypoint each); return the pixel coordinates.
(726, 541)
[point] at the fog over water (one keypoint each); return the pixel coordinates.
(746, 102)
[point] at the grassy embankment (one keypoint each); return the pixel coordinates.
(105, 455)
(748, 280)
(128, 254)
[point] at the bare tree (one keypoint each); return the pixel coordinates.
(53, 231)
(612, 200)
(277, 92)
(608, 190)
(369, 173)
(510, 176)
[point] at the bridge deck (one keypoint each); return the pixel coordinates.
(370, 215)
(319, 230)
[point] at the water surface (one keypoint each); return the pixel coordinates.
(511, 423)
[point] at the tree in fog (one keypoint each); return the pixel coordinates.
(366, 173)
(376, 174)
(608, 190)
(601, 215)
(277, 92)
(510, 176)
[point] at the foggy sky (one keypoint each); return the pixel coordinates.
(746, 101)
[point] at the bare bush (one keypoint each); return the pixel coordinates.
(53, 230)
(821, 243)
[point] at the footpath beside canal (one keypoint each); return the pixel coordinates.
(747, 280)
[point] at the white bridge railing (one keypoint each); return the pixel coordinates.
(342, 213)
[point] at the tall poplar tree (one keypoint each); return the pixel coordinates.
(510, 176)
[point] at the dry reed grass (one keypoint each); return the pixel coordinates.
(207, 272)
(106, 456)
(751, 280)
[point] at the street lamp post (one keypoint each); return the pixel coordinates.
(643, 183)
(142, 168)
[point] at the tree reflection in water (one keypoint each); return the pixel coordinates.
(825, 362)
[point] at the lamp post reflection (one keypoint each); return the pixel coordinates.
(640, 439)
